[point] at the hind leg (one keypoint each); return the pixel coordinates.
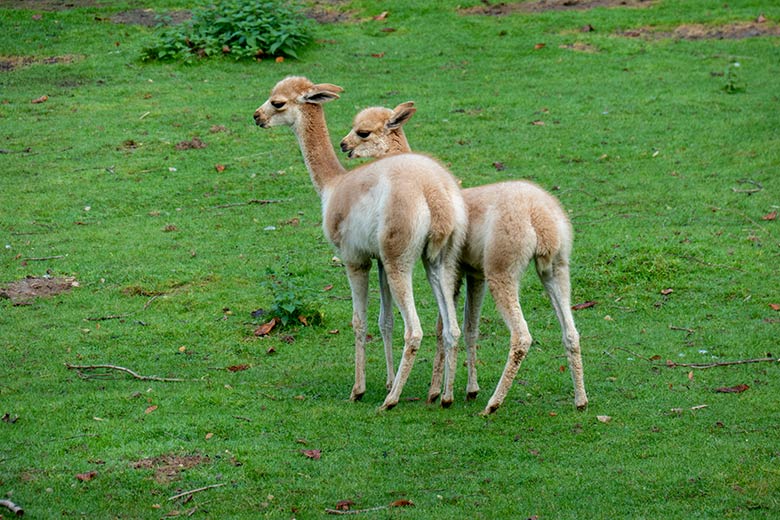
(504, 288)
(555, 278)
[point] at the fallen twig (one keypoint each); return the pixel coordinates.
(262, 202)
(42, 258)
(354, 511)
(672, 364)
(193, 491)
(121, 316)
(17, 510)
(758, 186)
(136, 375)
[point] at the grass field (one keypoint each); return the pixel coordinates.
(143, 182)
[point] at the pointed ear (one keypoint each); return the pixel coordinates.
(322, 93)
(401, 114)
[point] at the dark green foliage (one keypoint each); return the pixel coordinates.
(293, 303)
(238, 28)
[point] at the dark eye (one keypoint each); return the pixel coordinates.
(277, 104)
(363, 133)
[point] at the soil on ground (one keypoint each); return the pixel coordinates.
(23, 292)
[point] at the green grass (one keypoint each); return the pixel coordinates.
(641, 144)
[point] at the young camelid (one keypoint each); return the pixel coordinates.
(510, 223)
(395, 210)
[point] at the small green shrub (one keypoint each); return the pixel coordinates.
(238, 28)
(733, 83)
(292, 302)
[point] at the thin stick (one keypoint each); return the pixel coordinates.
(193, 491)
(79, 368)
(247, 203)
(42, 258)
(672, 364)
(18, 511)
(354, 511)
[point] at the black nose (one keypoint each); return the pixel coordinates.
(344, 146)
(259, 120)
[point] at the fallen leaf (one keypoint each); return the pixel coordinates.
(667, 292)
(86, 477)
(303, 320)
(538, 122)
(209, 435)
(378, 55)
(238, 368)
(151, 409)
(312, 454)
(540, 46)
(270, 351)
(327, 287)
(584, 305)
(266, 328)
(499, 166)
(381, 16)
(344, 505)
(770, 216)
(587, 28)
(604, 418)
(775, 306)
(279, 59)
(402, 502)
(761, 18)
(39, 100)
(690, 375)
(219, 167)
(737, 389)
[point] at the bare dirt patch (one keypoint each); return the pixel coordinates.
(150, 17)
(9, 63)
(167, 467)
(49, 5)
(731, 31)
(540, 6)
(23, 292)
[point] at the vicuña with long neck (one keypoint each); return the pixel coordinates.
(510, 223)
(394, 210)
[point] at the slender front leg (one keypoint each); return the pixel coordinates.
(475, 295)
(558, 286)
(434, 391)
(358, 282)
(386, 322)
(442, 282)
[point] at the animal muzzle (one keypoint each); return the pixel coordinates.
(260, 119)
(345, 148)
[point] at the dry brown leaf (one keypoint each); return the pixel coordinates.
(770, 216)
(604, 418)
(266, 328)
(402, 502)
(736, 389)
(151, 409)
(219, 167)
(86, 477)
(344, 505)
(775, 306)
(381, 16)
(584, 305)
(667, 292)
(312, 454)
(238, 368)
(540, 46)
(42, 99)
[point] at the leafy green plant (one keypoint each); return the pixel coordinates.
(238, 28)
(292, 303)
(733, 82)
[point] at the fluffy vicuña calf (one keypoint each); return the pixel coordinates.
(510, 223)
(394, 210)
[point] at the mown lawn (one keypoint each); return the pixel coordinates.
(149, 186)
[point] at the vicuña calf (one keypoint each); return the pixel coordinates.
(510, 223)
(394, 210)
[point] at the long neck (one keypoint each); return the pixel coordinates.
(317, 150)
(398, 142)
